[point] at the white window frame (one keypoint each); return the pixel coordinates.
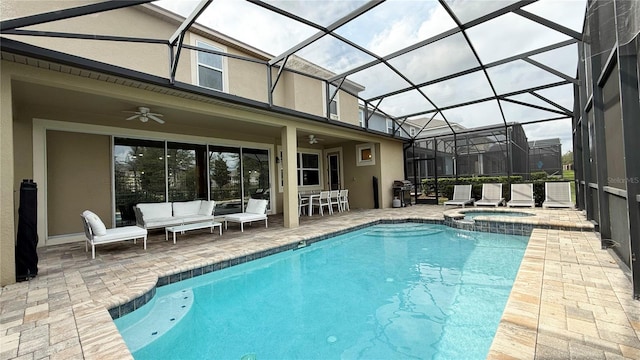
(299, 170)
(365, 148)
(201, 42)
(336, 98)
(412, 131)
(361, 117)
(389, 126)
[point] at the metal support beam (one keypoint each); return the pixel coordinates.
(551, 70)
(186, 24)
(604, 223)
(548, 23)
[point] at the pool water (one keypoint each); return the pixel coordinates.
(473, 214)
(414, 291)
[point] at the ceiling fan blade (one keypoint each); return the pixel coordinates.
(155, 118)
(133, 117)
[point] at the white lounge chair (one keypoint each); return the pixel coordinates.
(557, 195)
(96, 233)
(491, 195)
(256, 211)
(461, 196)
(521, 195)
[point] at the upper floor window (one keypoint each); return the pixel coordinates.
(361, 117)
(389, 126)
(334, 108)
(210, 69)
(412, 131)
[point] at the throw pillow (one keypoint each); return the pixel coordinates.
(97, 226)
(206, 207)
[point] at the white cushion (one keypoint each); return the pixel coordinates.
(206, 207)
(185, 208)
(244, 217)
(255, 206)
(97, 226)
(155, 210)
(121, 233)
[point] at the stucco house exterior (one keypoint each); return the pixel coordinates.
(65, 104)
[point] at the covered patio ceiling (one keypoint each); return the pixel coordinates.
(471, 62)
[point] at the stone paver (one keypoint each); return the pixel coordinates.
(570, 299)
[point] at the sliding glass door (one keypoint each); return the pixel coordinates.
(158, 171)
(139, 172)
(225, 179)
(255, 172)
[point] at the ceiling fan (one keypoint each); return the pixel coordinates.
(313, 139)
(144, 114)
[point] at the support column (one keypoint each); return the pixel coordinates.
(7, 207)
(289, 166)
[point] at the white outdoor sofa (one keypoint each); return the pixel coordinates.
(161, 215)
(96, 233)
(256, 211)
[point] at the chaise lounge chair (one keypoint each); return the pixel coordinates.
(461, 196)
(521, 195)
(557, 195)
(491, 195)
(256, 211)
(96, 233)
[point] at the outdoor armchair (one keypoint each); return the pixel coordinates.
(96, 233)
(256, 211)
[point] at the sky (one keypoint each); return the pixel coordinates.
(396, 24)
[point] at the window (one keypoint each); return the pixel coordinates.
(139, 174)
(255, 172)
(365, 155)
(361, 117)
(412, 131)
(187, 178)
(308, 169)
(334, 107)
(389, 126)
(210, 72)
(224, 179)
(158, 171)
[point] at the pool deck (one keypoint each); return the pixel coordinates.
(570, 299)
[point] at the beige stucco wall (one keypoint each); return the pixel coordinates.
(78, 178)
(148, 58)
(392, 160)
(349, 109)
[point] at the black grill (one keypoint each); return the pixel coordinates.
(402, 190)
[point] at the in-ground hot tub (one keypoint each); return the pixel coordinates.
(472, 214)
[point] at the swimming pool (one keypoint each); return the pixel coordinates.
(389, 291)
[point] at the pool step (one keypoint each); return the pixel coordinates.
(167, 311)
(399, 232)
